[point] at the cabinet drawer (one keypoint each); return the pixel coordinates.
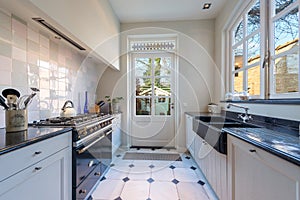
(20, 159)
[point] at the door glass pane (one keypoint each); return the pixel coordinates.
(238, 82)
(143, 87)
(253, 18)
(280, 5)
(286, 31)
(287, 74)
(254, 80)
(143, 67)
(162, 87)
(238, 32)
(238, 57)
(162, 106)
(143, 106)
(162, 66)
(253, 49)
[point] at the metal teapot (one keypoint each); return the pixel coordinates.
(68, 110)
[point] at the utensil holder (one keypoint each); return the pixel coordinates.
(16, 120)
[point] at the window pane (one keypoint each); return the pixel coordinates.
(254, 49)
(280, 5)
(143, 87)
(238, 32)
(162, 66)
(238, 57)
(286, 31)
(162, 87)
(253, 18)
(143, 106)
(163, 106)
(143, 67)
(238, 82)
(287, 74)
(254, 80)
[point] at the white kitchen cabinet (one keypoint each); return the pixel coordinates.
(47, 178)
(255, 174)
(213, 165)
(116, 134)
(190, 135)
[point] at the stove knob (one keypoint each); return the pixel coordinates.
(82, 191)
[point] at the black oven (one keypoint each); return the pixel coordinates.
(91, 158)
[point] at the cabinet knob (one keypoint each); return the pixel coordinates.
(37, 152)
(38, 168)
(252, 150)
(97, 174)
(82, 191)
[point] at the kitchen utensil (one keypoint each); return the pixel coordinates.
(29, 99)
(12, 101)
(10, 91)
(2, 103)
(68, 111)
(21, 100)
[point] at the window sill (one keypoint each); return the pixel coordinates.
(269, 101)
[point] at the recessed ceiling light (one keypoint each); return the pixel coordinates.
(206, 6)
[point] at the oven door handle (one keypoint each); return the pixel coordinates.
(80, 151)
(109, 132)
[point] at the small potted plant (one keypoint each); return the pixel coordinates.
(115, 103)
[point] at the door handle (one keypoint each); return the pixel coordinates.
(172, 105)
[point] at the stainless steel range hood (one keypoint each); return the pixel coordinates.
(57, 32)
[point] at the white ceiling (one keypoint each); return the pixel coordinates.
(129, 11)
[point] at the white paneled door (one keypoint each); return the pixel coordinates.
(152, 100)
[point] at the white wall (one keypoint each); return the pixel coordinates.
(195, 51)
(291, 112)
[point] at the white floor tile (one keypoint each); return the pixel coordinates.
(116, 174)
(139, 173)
(185, 175)
(135, 190)
(165, 174)
(191, 191)
(108, 189)
(142, 163)
(163, 191)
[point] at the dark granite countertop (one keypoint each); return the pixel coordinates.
(278, 142)
(281, 144)
(16, 140)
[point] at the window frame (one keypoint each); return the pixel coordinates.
(266, 73)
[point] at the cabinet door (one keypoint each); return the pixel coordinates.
(190, 134)
(255, 174)
(48, 179)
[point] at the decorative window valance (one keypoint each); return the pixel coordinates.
(152, 45)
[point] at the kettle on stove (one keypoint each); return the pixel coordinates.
(68, 110)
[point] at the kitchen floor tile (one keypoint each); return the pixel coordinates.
(185, 175)
(116, 174)
(165, 174)
(191, 191)
(135, 190)
(108, 189)
(140, 173)
(163, 191)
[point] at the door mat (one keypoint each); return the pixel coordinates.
(152, 156)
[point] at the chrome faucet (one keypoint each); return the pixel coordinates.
(245, 117)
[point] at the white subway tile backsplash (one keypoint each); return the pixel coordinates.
(5, 21)
(33, 35)
(5, 34)
(30, 59)
(5, 49)
(5, 63)
(19, 54)
(5, 78)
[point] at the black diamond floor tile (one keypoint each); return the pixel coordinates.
(193, 168)
(119, 198)
(131, 165)
(125, 179)
(151, 166)
(175, 181)
(172, 167)
(200, 182)
(150, 180)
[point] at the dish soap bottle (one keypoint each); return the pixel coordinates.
(86, 107)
